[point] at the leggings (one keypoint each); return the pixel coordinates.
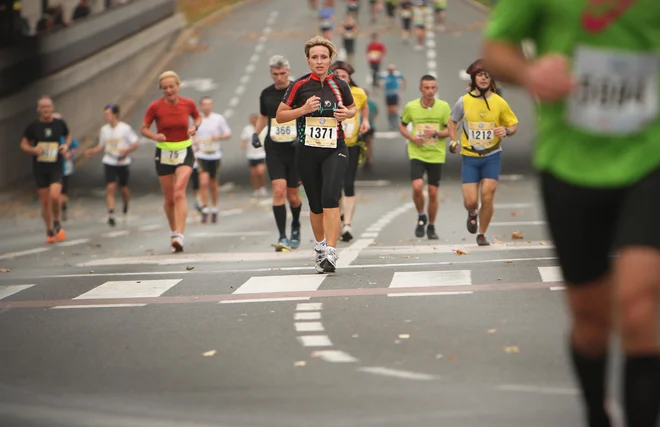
(351, 170)
(322, 172)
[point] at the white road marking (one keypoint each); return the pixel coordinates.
(230, 212)
(534, 389)
(334, 356)
(118, 233)
(97, 306)
(10, 255)
(307, 316)
(234, 102)
(309, 327)
(431, 66)
(414, 279)
(368, 235)
(471, 248)
(228, 113)
(73, 242)
(430, 43)
(240, 90)
(551, 274)
(259, 48)
(127, 289)
(511, 177)
(407, 375)
(7, 291)
(310, 306)
(557, 288)
(315, 341)
(265, 202)
(249, 68)
(387, 135)
(232, 234)
(254, 58)
(150, 227)
(372, 183)
(514, 205)
(350, 254)
(245, 79)
(516, 223)
(227, 186)
(291, 283)
(430, 54)
(262, 39)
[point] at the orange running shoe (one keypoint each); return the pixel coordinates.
(60, 235)
(50, 237)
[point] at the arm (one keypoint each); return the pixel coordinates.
(262, 121)
(145, 130)
(225, 131)
(286, 113)
(26, 147)
(452, 127)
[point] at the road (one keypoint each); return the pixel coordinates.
(110, 329)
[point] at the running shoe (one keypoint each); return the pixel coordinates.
(111, 221)
(320, 259)
(60, 234)
(283, 245)
(329, 264)
(177, 244)
(430, 232)
(421, 225)
(472, 223)
(346, 233)
(50, 236)
(295, 236)
(482, 241)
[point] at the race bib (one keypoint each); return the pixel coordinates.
(285, 132)
(419, 132)
(374, 55)
(207, 145)
(406, 13)
(326, 23)
(617, 91)
(173, 158)
(321, 132)
(481, 134)
(49, 153)
(350, 127)
(112, 146)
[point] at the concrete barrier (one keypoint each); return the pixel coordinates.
(80, 91)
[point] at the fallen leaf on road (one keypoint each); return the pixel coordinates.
(404, 336)
(452, 358)
(499, 278)
(542, 243)
(439, 356)
(5, 270)
(511, 349)
(300, 363)
(514, 213)
(491, 331)
(190, 267)
(373, 283)
(209, 353)
(508, 261)
(517, 235)
(461, 252)
(355, 335)
(91, 271)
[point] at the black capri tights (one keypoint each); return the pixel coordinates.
(351, 170)
(322, 172)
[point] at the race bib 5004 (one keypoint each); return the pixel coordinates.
(321, 132)
(617, 91)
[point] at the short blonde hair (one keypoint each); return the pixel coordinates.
(167, 75)
(320, 41)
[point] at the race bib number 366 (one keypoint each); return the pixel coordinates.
(173, 158)
(617, 91)
(321, 132)
(284, 132)
(49, 152)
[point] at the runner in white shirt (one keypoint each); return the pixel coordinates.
(256, 158)
(208, 152)
(117, 139)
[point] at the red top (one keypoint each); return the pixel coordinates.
(375, 52)
(172, 120)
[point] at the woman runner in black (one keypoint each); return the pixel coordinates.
(319, 102)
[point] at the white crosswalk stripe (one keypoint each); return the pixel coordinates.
(125, 289)
(421, 279)
(7, 291)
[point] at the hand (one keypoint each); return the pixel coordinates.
(63, 148)
(428, 132)
(123, 153)
(453, 146)
(500, 131)
(312, 104)
(549, 78)
(364, 127)
(192, 130)
(341, 113)
(89, 152)
(160, 137)
(418, 140)
(215, 137)
(256, 142)
(37, 151)
(68, 155)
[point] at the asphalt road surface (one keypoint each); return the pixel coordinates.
(110, 329)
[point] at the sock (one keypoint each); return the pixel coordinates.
(280, 219)
(125, 210)
(642, 390)
(295, 213)
(320, 246)
(422, 217)
(591, 373)
(65, 206)
(474, 212)
(214, 210)
(173, 234)
(393, 119)
(111, 212)
(56, 226)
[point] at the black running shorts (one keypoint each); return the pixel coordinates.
(282, 165)
(433, 171)
(165, 169)
(116, 173)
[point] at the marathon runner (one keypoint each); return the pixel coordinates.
(390, 9)
(41, 139)
(256, 158)
(280, 146)
(117, 139)
(440, 7)
(420, 15)
(375, 53)
(426, 149)
(369, 135)
(349, 30)
(485, 119)
(174, 155)
(208, 152)
(406, 14)
(353, 128)
(596, 79)
(327, 19)
(320, 102)
(68, 167)
(393, 82)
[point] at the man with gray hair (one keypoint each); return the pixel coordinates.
(279, 141)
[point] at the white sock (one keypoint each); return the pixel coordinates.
(475, 212)
(214, 210)
(320, 246)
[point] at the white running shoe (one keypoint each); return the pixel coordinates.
(330, 262)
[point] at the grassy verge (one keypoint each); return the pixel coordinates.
(194, 10)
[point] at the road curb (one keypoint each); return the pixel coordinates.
(478, 5)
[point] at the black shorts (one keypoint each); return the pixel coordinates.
(164, 170)
(589, 225)
(390, 9)
(392, 100)
(282, 165)
(194, 178)
(65, 184)
(256, 162)
(116, 173)
(370, 132)
(44, 176)
(349, 45)
(322, 171)
(209, 166)
(433, 171)
(406, 23)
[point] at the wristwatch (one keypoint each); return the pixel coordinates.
(508, 132)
